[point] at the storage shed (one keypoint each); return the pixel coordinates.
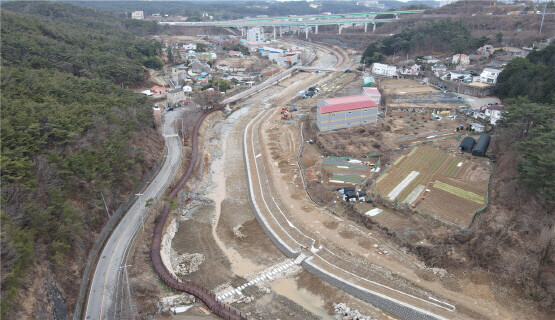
(482, 146)
(368, 81)
(467, 144)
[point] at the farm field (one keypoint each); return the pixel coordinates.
(446, 185)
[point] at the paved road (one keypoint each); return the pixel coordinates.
(100, 303)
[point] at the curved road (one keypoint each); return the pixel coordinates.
(102, 293)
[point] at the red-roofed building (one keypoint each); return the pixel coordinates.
(235, 53)
(158, 91)
(346, 112)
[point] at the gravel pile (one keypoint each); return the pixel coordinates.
(342, 312)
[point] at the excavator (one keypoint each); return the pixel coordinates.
(287, 116)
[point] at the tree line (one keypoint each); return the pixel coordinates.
(442, 35)
(70, 39)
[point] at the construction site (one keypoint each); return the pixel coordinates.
(322, 225)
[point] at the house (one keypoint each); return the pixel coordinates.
(190, 46)
(494, 113)
(158, 91)
(206, 56)
(235, 53)
(463, 76)
(439, 68)
(384, 70)
(345, 112)
(199, 67)
(477, 127)
(461, 59)
(138, 15)
(256, 35)
(489, 75)
(413, 70)
(431, 59)
(191, 54)
(484, 52)
(373, 93)
(175, 96)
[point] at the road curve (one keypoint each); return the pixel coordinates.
(100, 302)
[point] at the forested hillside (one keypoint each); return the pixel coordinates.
(532, 77)
(443, 35)
(70, 135)
(76, 40)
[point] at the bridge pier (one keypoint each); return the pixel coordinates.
(396, 16)
(274, 33)
(280, 31)
(242, 32)
(365, 26)
(316, 29)
(340, 27)
(373, 27)
(306, 32)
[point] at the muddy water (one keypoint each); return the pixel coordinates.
(288, 288)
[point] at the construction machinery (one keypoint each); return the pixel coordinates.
(287, 116)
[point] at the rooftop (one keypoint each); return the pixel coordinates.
(347, 106)
(348, 99)
(371, 90)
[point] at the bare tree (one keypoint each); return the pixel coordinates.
(547, 243)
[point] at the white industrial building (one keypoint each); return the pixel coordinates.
(384, 70)
(137, 15)
(256, 35)
(373, 93)
(489, 75)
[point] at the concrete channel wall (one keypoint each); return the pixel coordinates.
(282, 246)
(392, 306)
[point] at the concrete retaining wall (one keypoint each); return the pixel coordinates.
(392, 306)
(457, 87)
(282, 246)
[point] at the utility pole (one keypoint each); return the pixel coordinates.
(543, 16)
(105, 206)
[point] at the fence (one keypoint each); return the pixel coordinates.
(219, 308)
(487, 199)
(106, 232)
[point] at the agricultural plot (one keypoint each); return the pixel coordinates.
(447, 186)
(344, 172)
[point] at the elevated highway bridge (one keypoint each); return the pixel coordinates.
(305, 22)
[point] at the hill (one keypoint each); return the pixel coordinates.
(443, 35)
(76, 40)
(71, 137)
(531, 77)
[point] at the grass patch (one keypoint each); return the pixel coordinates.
(412, 151)
(396, 162)
(381, 177)
(459, 192)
